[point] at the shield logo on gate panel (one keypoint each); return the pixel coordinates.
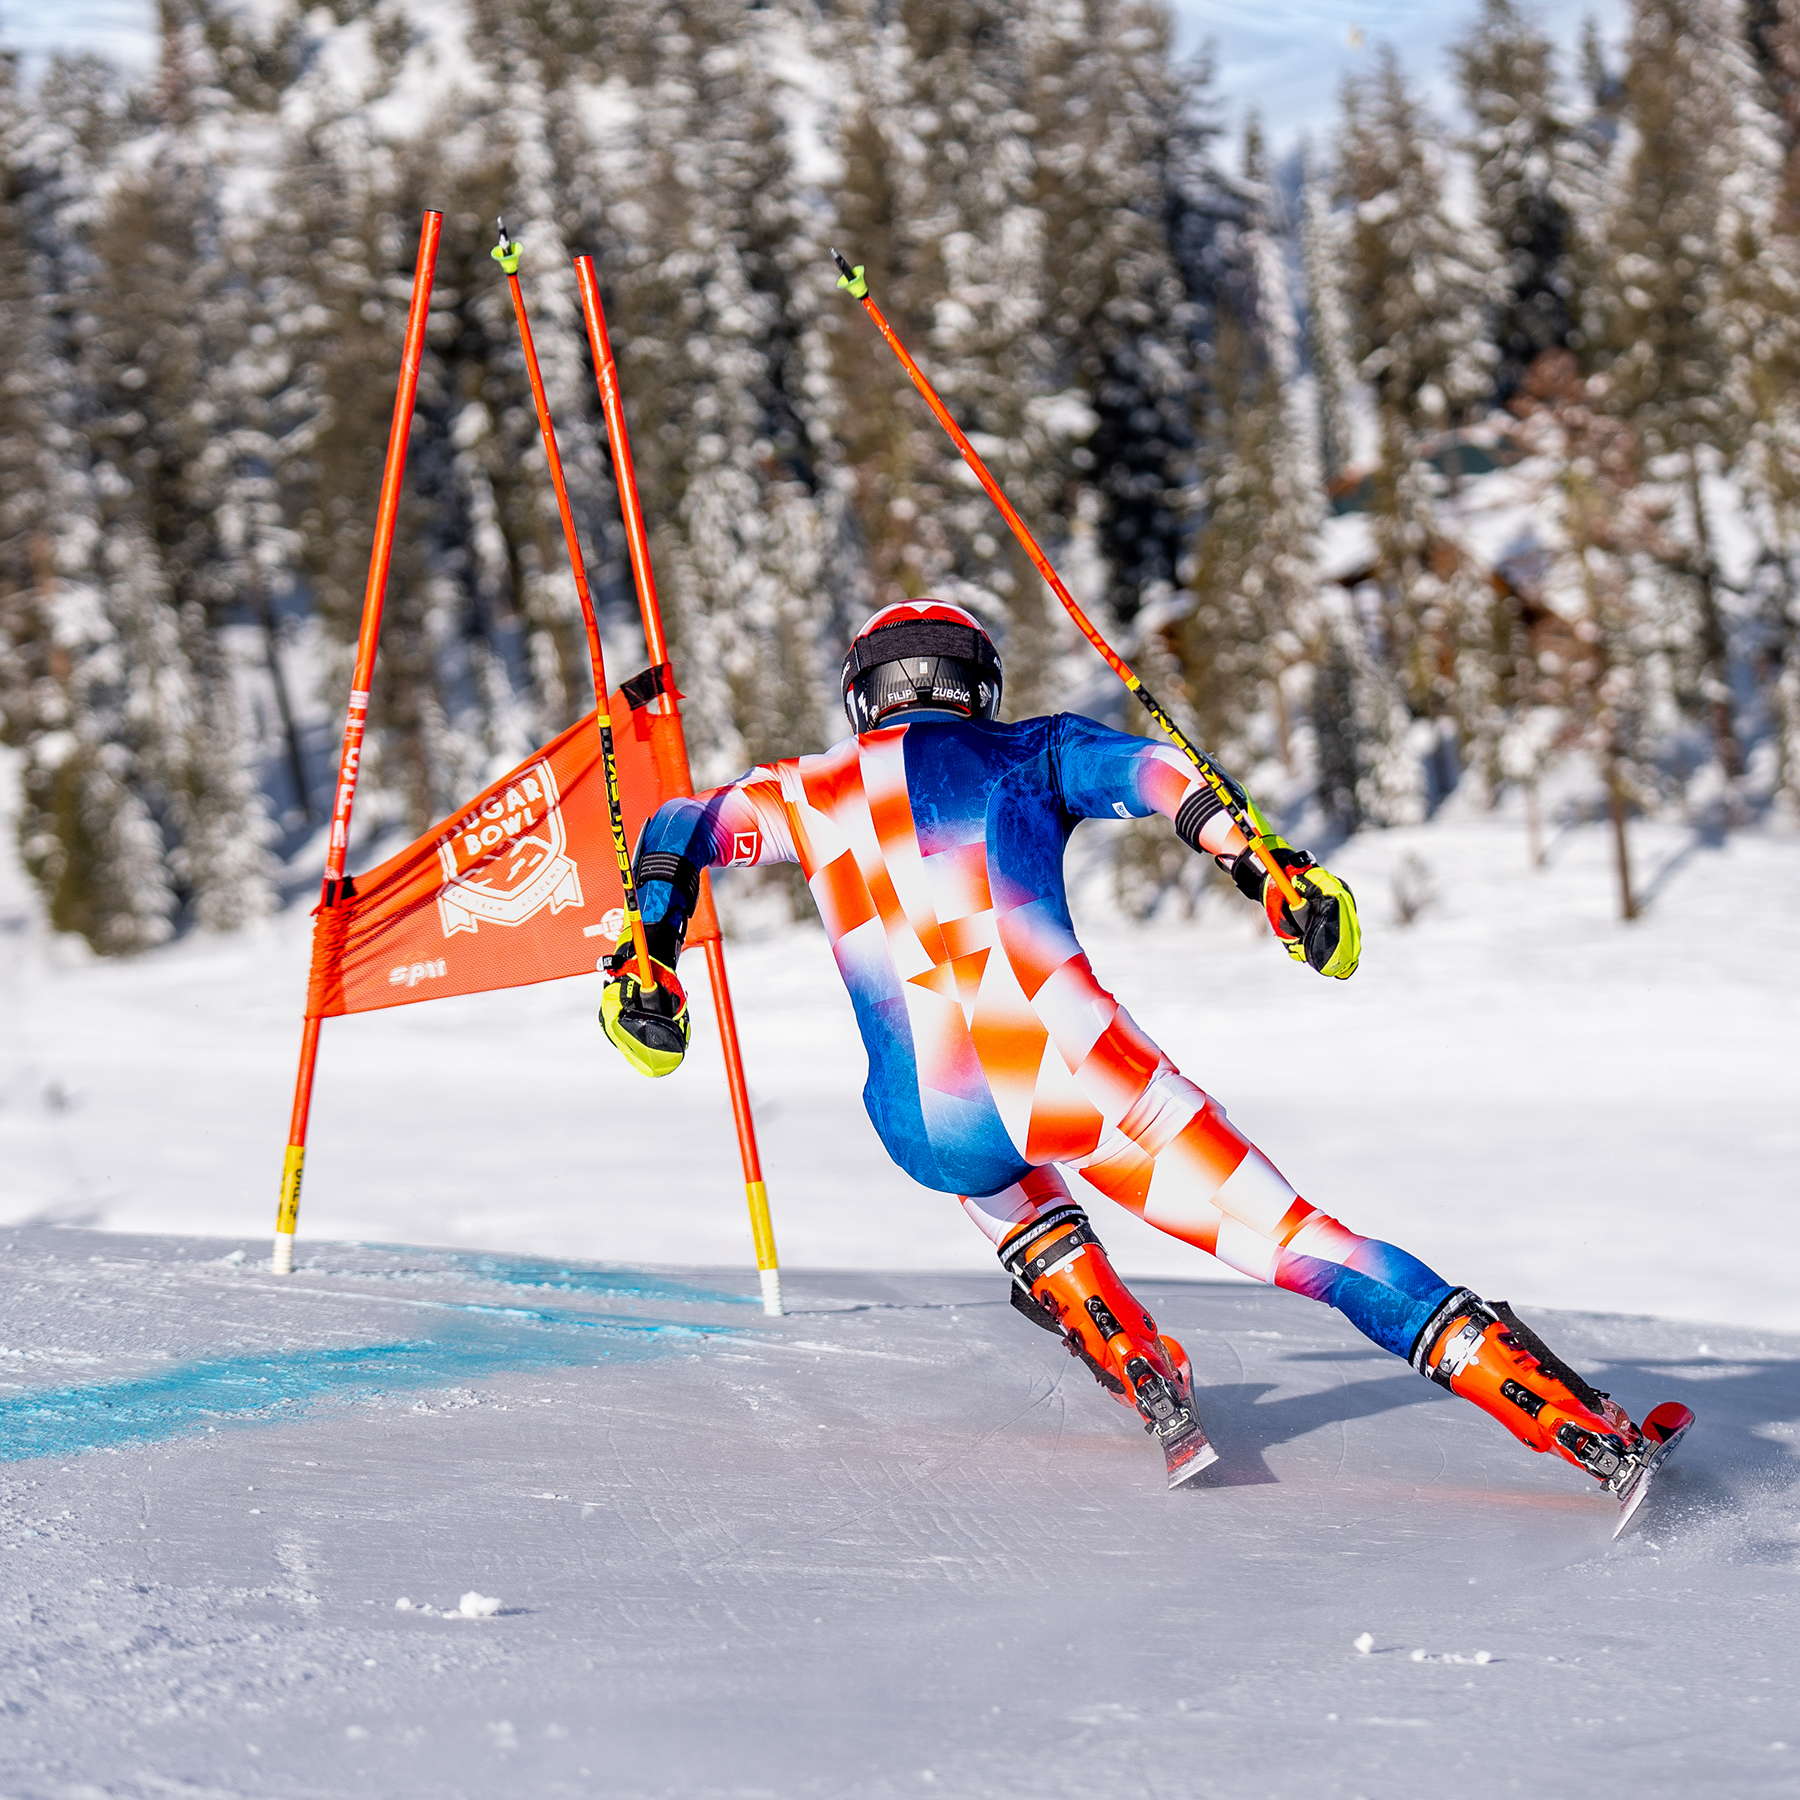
(504, 862)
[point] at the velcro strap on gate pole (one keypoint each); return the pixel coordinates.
(641, 689)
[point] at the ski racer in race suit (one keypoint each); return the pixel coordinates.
(933, 843)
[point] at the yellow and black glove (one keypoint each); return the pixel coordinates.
(1327, 934)
(649, 1025)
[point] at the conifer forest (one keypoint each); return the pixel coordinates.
(1443, 454)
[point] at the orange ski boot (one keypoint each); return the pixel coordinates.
(1063, 1282)
(1484, 1352)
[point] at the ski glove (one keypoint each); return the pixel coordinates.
(1327, 935)
(649, 1025)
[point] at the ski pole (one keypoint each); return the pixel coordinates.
(336, 888)
(606, 377)
(506, 254)
(851, 280)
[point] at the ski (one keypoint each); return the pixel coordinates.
(1185, 1448)
(1667, 1425)
(1169, 1416)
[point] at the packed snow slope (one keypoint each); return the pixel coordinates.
(1534, 1099)
(896, 1543)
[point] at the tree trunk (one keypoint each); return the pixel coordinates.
(1615, 801)
(1714, 652)
(278, 680)
(1534, 826)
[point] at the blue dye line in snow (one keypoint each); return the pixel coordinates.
(559, 1277)
(274, 1387)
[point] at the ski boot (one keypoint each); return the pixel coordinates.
(1063, 1282)
(1485, 1353)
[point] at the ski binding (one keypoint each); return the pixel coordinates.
(1170, 1418)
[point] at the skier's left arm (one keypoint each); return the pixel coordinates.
(1103, 774)
(742, 822)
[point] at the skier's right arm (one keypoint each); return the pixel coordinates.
(740, 824)
(1100, 771)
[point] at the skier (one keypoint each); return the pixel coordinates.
(933, 841)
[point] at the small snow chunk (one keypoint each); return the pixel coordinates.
(1484, 1656)
(1365, 1643)
(1418, 1656)
(403, 1604)
(477, 1606)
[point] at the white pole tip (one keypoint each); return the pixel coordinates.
(281, 1262)
(771, 1292)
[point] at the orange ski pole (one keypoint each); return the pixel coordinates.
(756, 1195)
(506, 254)
(851, 279)
(335, 890)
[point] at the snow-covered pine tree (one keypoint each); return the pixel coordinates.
(1603, 655)
(1696, 186)
(1421, 281)
(1766, 383)
(1323, 261)
(1532, 170)
(157, 370)
(85, 834)
(1774, 27)
(939, 202)
(23, 410)
(1116, 121)
(1421, 287)
(1253, 574)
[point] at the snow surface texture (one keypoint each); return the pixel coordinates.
(894, 1544)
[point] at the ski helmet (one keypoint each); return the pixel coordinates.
(921, 653)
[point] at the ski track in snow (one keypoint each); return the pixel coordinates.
(654, 1544)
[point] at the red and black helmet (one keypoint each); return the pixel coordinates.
(921, 653)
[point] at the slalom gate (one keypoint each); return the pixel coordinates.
(531, 880)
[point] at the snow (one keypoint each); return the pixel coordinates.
(894, 1543)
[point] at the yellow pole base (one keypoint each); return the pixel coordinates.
(287, 1215)
(771, 1292)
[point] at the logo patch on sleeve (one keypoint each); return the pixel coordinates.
(745, 846)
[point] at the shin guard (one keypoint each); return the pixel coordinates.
(1485, 1353)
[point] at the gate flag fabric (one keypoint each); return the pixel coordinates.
(520, 885)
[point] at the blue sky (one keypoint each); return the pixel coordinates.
(1285, 57)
